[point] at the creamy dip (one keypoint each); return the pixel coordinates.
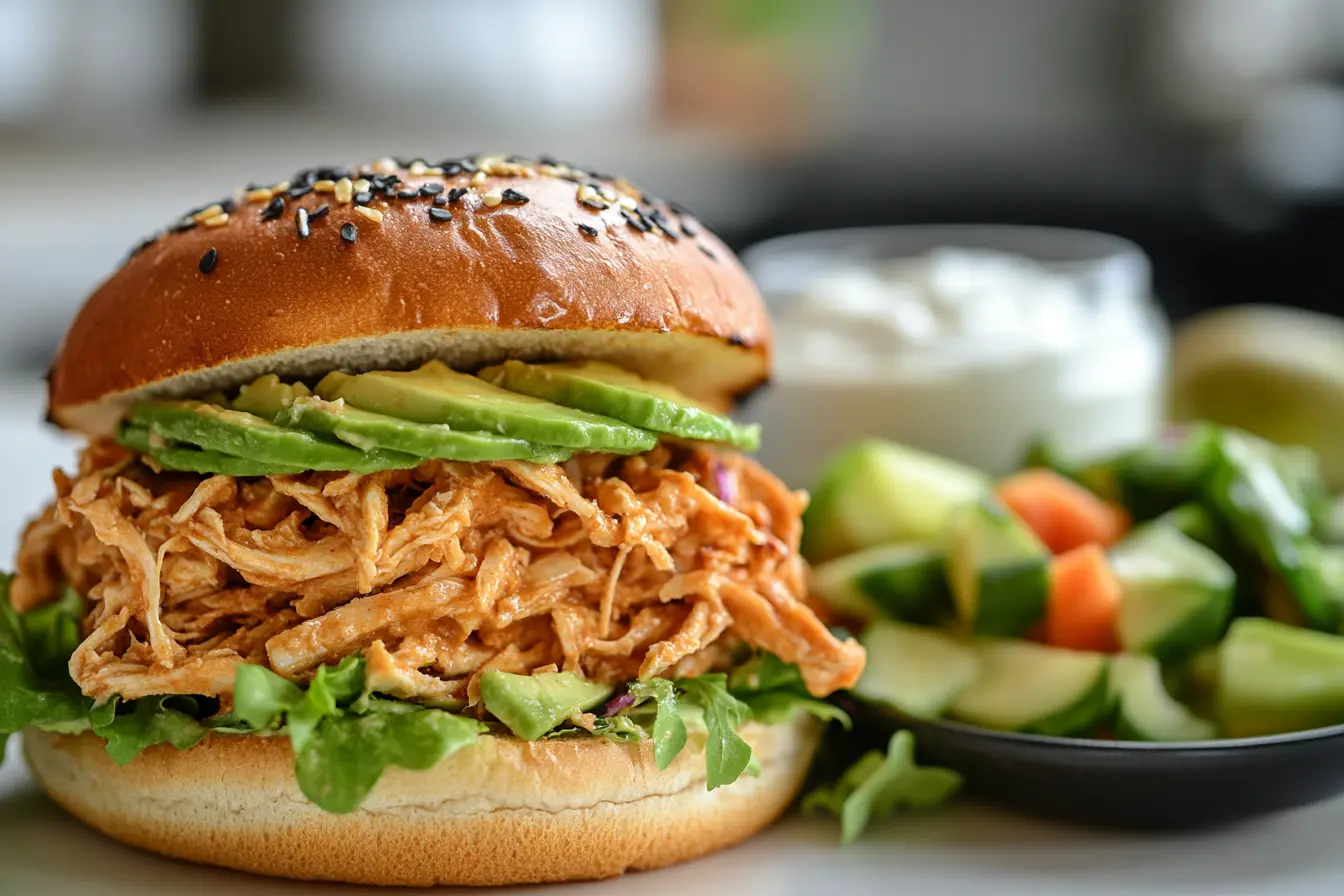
(969, 353)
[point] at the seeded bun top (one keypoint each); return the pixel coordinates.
(388, 265)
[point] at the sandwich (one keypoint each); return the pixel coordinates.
(412, 542)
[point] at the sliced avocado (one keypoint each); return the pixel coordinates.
(436, 394)
(194, 460)
(607, 389)
(369, 431)
(267, 396)
(531, 705)
(243, 435)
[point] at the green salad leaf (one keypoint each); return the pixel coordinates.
(149, 721)
(727, 755)
(877, 785)
(774, 692)
(35, 684)
(344, 739)
(669, 729)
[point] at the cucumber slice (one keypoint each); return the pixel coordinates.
(903, 581)
(1275, 678)
(1176, 594)
(606, 389)
(1035, 689)
(998, 571)
(877, 492)
(1145, 710)
(916, 671)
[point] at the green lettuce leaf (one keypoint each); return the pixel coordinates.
(669, 730)
(149, 721)
(877, 785)
(35, 684)
(774, 692)
(344, 739)
(726, 754)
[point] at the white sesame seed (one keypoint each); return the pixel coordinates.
(478, 178)
(361, 185)
(628, 203)
(344, 190)
(218, 220)
(324, 186)
(385, 165)
(608, 194)
(260, 194)
(434, 169)
(208, 212)
(586, 192)
(281, 187)
(493, 198)
(417, 167)
(371, 213)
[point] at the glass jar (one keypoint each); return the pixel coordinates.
(968, 341)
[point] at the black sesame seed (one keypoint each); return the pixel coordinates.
(587, 230)
(301, 223)
(144, 244)
(689, 227)
(600, 176)
(319, 212)
(663, 224)
(299, 192)
(467, 165)
(595, 203)
(431, 189)
(441, 199)
(455, 194)
(636, 221)
(208, 261)
(274, 209)
(363, 197)
(440, 214)
(183, 226)
(450, 168)
(544, 159)
(304, 177)
(407, 194)
(349, 232)
(709, 253)
(517, 160)
(513, 197)
(228, 205)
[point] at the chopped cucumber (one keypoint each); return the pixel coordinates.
(998, 571)
(903, 581)
(1166, 473)
(1196, 523)
(1036, 689)
(917, 671)
(1145, 710)
(1176, 594)
(1275, 678)
(876, 492)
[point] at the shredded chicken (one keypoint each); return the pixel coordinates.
(614, 567)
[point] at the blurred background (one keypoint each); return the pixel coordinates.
(1209, 131)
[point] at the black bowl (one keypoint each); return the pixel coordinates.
(1139, 785)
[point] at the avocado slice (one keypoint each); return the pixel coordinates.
(267, 396)
(369, 431)
(436, 394)
(531, 705)
(244, 435)
(195, 460)
(607, 389)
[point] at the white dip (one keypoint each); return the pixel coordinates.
(967, 353)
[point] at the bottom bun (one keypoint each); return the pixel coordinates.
(502, 811)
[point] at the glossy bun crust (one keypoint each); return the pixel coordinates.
(502, 811)
(538, 261)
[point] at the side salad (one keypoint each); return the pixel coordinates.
(1189, 589)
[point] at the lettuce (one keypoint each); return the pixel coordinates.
(669, 729)
(35, 684)
(727, 755)
(877, 785)
(150, 721)
(774, 692)
(343, 738)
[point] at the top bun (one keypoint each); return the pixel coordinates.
(540, 261)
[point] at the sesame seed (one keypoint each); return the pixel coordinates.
(709, 253)
(274, 209)
(227, 205)
(319, 212)
(324, 186)
(349, 232)
(301, 223)
(455, 194)
(361, 185)
(258, 194)
(608, 194)
(371, 213)
(363, 198)
(386, 165)
(493, 198)
(585, 192)
(299, 192)
(478, 178)
(440, 214)
(661, 222)
(636, 221)
(594, 203)
(628, 203)
(183, 226)
(281, 187)
(207, 263)
(408, 194)
(144, 244)
(688, 227)
(344, 190)
(218, 220)
(431, 189)
(441, 199)
(587, 230)
(417, 167)
(209, 212)
(513, 197)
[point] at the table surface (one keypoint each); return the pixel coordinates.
(966, 848)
